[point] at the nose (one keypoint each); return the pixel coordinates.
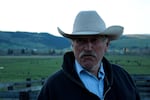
(88, 46)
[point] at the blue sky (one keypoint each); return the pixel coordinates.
(47, 15)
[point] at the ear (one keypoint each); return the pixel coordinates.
(108, 42)
(72, 45)
(107, 45)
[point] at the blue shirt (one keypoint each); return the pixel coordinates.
(91, 82)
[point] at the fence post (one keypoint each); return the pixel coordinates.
(42, 80)
(24, 95)
(28, 84)
(10, 87)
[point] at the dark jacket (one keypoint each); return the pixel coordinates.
(66, 85)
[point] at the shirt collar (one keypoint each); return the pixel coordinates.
(79, 69)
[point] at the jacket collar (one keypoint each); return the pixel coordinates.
(69, 68)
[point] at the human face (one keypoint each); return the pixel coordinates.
(89, 51)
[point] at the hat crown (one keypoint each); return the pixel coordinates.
(87, 21)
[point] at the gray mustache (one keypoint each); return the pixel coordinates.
(82, 54)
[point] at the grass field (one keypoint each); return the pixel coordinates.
(18, 68)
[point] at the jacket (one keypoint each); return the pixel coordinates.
(66, 85)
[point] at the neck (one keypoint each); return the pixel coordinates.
(94, 70)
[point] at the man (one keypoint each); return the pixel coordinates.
(86, 74)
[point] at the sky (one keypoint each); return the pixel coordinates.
(47, 15)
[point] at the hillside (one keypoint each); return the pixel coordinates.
(132, 41)
(19, 40)
(31, 40)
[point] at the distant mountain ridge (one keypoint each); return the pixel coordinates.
(32, 40)
(132, 41)
(19, 40)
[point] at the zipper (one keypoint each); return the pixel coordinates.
(106, 92)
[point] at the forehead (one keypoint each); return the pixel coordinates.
(89, 37)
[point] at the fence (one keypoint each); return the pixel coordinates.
(29, 89)
(26, 90)
(18, 95)
(143, 85)
(27, 85)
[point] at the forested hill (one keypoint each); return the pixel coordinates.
(132, 41)
(30, 40)
(19, 40)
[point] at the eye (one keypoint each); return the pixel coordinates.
(81, 41)
(94, 40)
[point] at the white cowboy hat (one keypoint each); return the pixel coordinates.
(89, 23)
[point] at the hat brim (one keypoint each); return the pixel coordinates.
(112, 32)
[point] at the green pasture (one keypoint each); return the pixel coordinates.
(18, 68)
(132, 64)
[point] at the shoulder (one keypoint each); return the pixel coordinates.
(114, 70)
(119, 70)
(55, 77)
(121, 74)
(51, 84)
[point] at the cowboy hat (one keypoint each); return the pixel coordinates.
(89, 23)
